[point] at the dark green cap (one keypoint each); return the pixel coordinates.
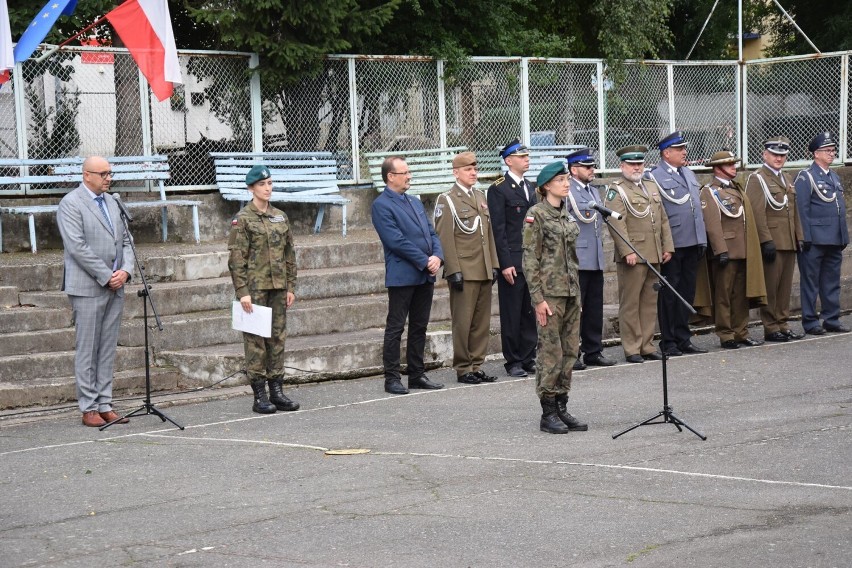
(550, 171)
(632, 154)
(257, 173)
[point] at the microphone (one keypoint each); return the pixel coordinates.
(127, 214)
(606, 212)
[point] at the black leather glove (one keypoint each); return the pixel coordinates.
(494, 274)
(702, 250)
(723, 259)
(805, 245)
(768, 251)
(456, 281)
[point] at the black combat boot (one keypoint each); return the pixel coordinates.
(550, 422)
(261, 401)
(561, 411)
(276, 396)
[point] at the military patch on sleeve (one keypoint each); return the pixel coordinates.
(439, 209)
(234, 221)
(703, 204)
(529, 219)
(610, 195)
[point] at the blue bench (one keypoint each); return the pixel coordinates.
(64, 174)
(431, 169)
(297, 177)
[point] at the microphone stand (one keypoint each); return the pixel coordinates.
(666, 415)
(147, 407)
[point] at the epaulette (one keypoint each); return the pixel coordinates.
(499, 180)
(479, 190)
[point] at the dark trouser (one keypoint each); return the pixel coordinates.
(591, 316)
(415, 304)
(730, 304)
(680, 272)
(517, 321)
(265, 355)
(819, 274)
(779, 284)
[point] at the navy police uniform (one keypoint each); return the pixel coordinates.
(822, 210)
(590, 255)
(680, 192)
(509, 198)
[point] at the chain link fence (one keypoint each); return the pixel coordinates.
(84, 101)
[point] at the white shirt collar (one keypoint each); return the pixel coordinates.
(517, 179)
(725, 182)
(771, 169)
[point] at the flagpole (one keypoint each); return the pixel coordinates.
(47, 54)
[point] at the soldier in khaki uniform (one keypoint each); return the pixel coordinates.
(551, 265)
(773, 201)
(263, 269)
(463, 224)
(736, 267)
(645, 224)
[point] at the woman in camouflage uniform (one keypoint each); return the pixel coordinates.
(551, 267)
(263, 268)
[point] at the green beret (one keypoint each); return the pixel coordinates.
(550, 171)
(256, 174)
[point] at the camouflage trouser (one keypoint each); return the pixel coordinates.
(558, 343)
(265, 356)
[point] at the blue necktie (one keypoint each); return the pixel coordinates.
(102, 207)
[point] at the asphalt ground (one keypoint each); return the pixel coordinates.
(460, 476)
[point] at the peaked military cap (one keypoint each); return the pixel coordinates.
(464, 159)
(514, 148)
(673, 140)
(550, 171)
(581, 157)
(632, 154)
(256, 174)
(778, 145)
(722, 157)
(821, 140)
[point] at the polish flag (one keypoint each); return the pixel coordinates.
(145, 27)
(7, 57)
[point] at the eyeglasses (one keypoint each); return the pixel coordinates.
(828, 150)
(103, 175)
(405, 173)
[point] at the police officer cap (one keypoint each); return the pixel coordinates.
(778, 145)
(673, 140)
(514, 148)
(464, 159)
(256, 174)
(632, 154)
(581, 157)
(550, 171)
(722, 157)
(821, 140)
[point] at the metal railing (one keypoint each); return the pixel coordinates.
(85, 101)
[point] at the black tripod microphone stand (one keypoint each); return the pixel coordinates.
(145, 294)
(666, 415)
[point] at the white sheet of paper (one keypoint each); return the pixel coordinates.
(258, 322)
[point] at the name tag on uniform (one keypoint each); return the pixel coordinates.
(277, 219)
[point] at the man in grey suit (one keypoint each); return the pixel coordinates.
(679, 189)
(98, 262)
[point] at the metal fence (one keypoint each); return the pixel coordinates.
(85, 101)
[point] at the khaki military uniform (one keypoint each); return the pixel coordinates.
(646, 226)
(776, 218)
(552, 271)
(463, 224)
(263, 265)
(730, 226)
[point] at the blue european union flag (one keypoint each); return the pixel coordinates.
(40, 26)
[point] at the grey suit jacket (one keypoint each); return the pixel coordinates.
(91, 249)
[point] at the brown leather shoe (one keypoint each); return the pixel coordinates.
(93, 419)
(110, 415)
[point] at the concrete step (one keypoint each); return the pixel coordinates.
(171, 262)
(8, 296)
(22, 319)
(44, 341)
(60, 390)
(315, 358)
(22, 368)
